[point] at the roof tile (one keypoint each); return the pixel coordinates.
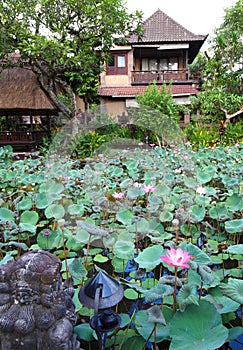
(132, 91)
(161, 28)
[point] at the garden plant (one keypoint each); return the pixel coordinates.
(165, 222)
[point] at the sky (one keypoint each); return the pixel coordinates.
(198, 16)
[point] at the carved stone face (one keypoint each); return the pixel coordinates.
(23, 291)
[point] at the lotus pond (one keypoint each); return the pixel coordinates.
(166, 223)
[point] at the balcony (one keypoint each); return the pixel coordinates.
(25, 140)
(163, 76)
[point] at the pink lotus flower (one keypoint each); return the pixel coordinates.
(118, 195)
(148, 188)
(185, 157)
(49, 165)
(177, 258)
(46, 233)
(66, 178)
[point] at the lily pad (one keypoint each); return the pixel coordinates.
(6, 215)
(166, 216)
(234, 202)
(234, 226)
(198, 327)
(124, 216)
(149, 258)
(197, 213)
(145, 328)
(55, 211)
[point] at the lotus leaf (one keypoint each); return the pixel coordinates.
(84, 331)
(220, 212)
(131, 294)
(100, 258)
(226, 303)
(163, 190)
(145, 328)
(234, 226)
(124, 216)
(197, 213)
(190, 182)
(203, 177)
(29, 217)
(199, 257)
(235, 332)
(188, 230)
(76, 209)
(155, 315)
(132, 342)
(234, 202)
(51, 241)
(55, 211)
(166, 216)
(6, 215)
(206, 274)
(186, 296)
(149, 282)
(140, 226)
(233, 290)
(158, 292)
(24, 204)
(77, 269)
(133, 192)
(7, 258)
(149, 258)
(42, 201)
(198, 327)
(235, 249)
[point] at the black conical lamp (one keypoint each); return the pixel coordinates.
(102, 292)
(111, 292)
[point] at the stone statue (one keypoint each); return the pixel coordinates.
(36, 312)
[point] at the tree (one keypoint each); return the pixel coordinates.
(228, 42)
(159, 113)
(221, 95)
(160, 99)
(62, 41)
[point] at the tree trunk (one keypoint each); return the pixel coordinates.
(230, 116)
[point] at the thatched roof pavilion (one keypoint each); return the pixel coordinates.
(21, 97)
(21, 94)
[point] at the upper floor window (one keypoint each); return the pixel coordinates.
(170, 63)
(116, 64)
(151, 64)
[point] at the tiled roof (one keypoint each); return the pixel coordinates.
(132, 91)
(161, 28)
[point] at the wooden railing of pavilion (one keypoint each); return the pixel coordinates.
(23, 139)
(146, 77)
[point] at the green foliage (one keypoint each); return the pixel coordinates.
(66, 207)
(63, 41)
(212, 103)
(209, 136)
(227, 43)
(100, 139)
(160, 99)
(222, 69)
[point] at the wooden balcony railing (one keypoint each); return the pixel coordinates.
(145, 77)
(22, 138)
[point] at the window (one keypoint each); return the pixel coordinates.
(149, 64)
(117, 64)
(170, 63)
(121, 61)
(152, 64)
